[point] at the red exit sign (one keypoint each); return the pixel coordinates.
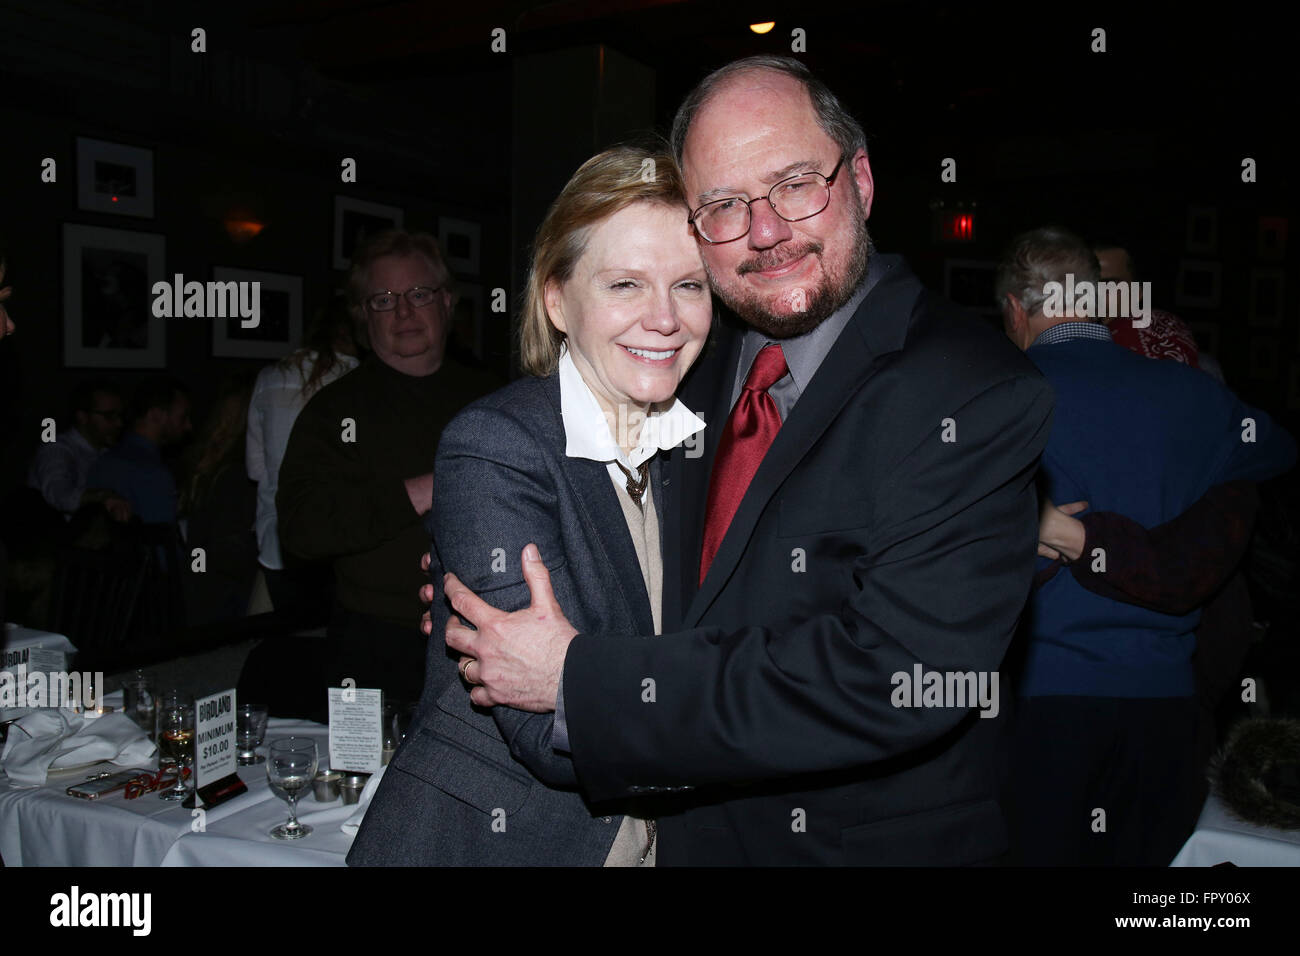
(955, 225)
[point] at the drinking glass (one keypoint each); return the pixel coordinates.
(165, 702)
(176, 745)
(139, 704)
(290, 767)
(250, 726)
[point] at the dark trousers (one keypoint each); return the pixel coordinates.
(302, 595)
(1133, 759)
(377, 653)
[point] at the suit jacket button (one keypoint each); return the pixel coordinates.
(607, 819)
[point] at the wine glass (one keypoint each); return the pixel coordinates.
(176, 745)
(250, 722)
(290, 767)
(139, 704)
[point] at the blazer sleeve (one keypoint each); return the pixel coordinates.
(1175, 567)
(493, 494)
(1260, 448)
(938, 579)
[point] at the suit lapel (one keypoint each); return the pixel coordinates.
(876, 330)
(657, 492)
(597, 502)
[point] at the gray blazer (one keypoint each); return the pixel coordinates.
(470, 786)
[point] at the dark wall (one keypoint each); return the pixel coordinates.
(203, 172)
(1118, 145)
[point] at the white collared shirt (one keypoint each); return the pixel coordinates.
(277, 401)
(61, 468)
(588, 432)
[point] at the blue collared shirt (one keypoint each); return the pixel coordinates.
(60, 469)
(135, 470)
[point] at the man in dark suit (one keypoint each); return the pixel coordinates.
(844, 565)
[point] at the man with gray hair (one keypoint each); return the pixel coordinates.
(1025, 279)
(357, 475)
(1103, 754)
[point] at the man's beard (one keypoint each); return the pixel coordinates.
(819, 303)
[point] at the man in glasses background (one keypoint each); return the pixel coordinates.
(357, 475)
(862, 525)
(60, 469)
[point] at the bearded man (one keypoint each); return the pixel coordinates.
(845, 564)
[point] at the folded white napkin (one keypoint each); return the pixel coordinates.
(352, 823)
(51, 738)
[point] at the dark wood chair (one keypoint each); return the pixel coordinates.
(95, 598)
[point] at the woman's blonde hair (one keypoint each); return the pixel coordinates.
(607, 183)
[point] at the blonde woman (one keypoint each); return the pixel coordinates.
(618, 307)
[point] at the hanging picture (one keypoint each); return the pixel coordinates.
(275, 329)
(970, 282)
(460, 245)
(1271, 238)
(1266, 287)
(1198, 284)
(1263, 358)
(1202, 230)
(356, 220)
(108, 319)
(114, 178)
(468, 321)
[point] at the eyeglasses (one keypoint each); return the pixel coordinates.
(387, 301)
(798, 197)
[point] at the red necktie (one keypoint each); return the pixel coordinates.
(752, 425)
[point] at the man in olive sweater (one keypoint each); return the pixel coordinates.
(357, 475)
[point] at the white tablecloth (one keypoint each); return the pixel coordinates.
(46, 827)
(18, 638)
(244, 839)
(1222, 838)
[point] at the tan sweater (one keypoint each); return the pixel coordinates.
(643, 525)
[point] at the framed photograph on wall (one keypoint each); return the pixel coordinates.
(1198, 284)
(1271, 240)
(279, 316)
(468, 318)
(460, 244)
(971, 282)
(1202, 230)
(108, 277)
(114, 178)
(1263, 358)
(1207, 336)
(1266, 287)
(355, 220)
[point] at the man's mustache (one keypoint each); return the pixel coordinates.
(767, 261)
